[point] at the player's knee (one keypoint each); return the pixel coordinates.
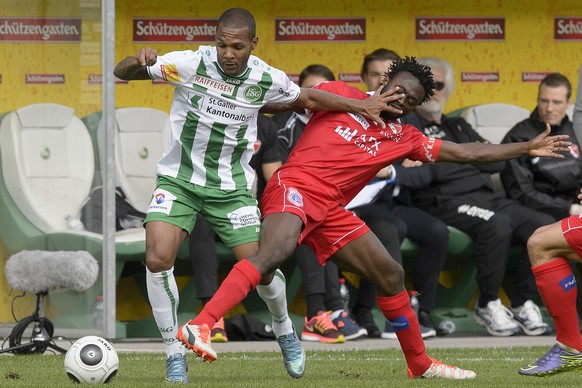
(392, 282)
(158, 262)
(536, 247)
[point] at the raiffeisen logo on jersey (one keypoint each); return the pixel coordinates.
(212, 84)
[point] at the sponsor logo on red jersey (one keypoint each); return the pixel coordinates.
(460, 28)
(395, 128)
(349, 29)
(567, 28)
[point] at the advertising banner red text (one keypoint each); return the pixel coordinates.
(37, 29)
(320, 29)
(460, 28)
(174, 30)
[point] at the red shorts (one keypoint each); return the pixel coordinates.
(327, 226)
(572, 231)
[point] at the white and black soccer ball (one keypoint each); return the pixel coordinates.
(91, 360)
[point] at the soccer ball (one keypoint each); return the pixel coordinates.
(91, 360)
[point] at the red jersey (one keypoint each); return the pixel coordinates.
(341, 152)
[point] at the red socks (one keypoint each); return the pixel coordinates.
(398, 311)
(242, 279)
(557, 286)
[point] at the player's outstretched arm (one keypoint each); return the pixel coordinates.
(540, 146)
(371, 107)
(316, 100)
(134, 67)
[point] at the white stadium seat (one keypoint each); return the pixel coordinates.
(47, 161)
(142, 135)
(493, 121)
(570, 111)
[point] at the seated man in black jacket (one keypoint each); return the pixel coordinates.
(463, 196)
(548, 186)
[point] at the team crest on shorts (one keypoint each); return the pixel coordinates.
(295, 197)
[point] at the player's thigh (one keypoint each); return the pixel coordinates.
(367, 257)
(553, 241)
(175, 202)
(171, 216)
(235, 217)
(163, 240)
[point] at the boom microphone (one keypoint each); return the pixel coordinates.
(43, 271)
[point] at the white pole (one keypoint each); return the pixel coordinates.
(108, 262)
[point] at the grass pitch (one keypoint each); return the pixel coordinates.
(352, 368)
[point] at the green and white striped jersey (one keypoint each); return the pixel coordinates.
(214, 116)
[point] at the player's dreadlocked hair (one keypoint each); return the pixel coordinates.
(421, 72)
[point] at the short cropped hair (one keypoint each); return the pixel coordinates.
(555, 80)
(316, 69)
(239, 18)
(380, 54)
(421, 72)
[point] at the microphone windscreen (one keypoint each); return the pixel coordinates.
(43, 271)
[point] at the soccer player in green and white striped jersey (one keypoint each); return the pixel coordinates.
(219, 91)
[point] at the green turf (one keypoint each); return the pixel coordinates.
(494, 367)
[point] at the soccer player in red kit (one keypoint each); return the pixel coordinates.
(549, 248)
(337, 154)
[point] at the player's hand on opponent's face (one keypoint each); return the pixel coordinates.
(147, 56)
(549, 146)
(379, 102)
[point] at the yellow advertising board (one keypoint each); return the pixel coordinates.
(499, 50)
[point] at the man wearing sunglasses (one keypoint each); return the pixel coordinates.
(463, 196)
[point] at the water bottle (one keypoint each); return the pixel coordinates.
(447, 327)
(98, 313)
(345, 294)
(414, 301)
(74, 223)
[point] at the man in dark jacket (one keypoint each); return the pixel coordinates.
(550, 186)
(547, 186)
(463, 196)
